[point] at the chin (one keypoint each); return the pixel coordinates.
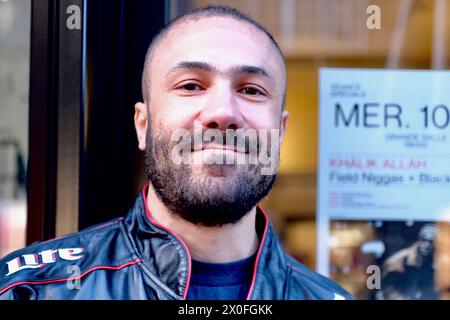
(216, 170)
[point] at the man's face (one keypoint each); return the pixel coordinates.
(211, 73)
(426, 247)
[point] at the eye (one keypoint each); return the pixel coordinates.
(251, 91)
(190, 87)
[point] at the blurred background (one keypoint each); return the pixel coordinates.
(68, 153)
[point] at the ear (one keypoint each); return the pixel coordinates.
(141, 123)
(283, 125)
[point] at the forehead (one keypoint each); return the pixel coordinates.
(220, 41)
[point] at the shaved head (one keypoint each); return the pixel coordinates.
(196, 15)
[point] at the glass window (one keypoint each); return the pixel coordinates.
(14, 87)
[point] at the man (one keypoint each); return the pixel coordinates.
(195, 231)
(409, 273)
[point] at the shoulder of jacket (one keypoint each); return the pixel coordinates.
(57, 260)
(315, 285)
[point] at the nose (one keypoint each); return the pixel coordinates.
(221, 110)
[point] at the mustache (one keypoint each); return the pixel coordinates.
(239, 140)
(252, 147)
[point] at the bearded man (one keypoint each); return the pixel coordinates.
(211, 123)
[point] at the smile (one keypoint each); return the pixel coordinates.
(219, 149)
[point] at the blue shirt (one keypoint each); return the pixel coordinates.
(221, 281)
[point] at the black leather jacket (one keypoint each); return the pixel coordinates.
(135, 258)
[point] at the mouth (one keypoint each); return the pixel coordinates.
(218, 149)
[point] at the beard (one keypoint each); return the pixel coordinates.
(197, 196)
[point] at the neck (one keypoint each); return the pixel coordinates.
(222, 244)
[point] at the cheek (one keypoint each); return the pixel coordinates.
(173, 113)
(262, 118)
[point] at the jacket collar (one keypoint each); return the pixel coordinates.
(166, 257)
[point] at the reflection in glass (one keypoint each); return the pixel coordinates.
(14, 79)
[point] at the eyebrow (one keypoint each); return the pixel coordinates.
(250, 70)
(203, 66)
